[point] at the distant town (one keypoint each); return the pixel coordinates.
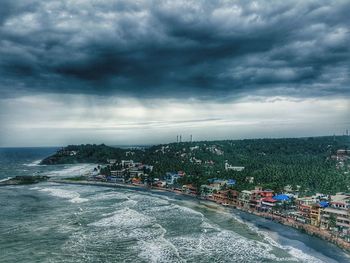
(326, 215)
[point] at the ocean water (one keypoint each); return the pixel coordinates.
(50, 222)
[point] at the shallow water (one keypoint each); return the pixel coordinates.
(49, 222)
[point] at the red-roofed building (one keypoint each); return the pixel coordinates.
(257, 195)
(268, 203)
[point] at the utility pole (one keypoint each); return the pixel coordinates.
(180, 137)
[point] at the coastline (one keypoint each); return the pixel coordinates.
(307, 229)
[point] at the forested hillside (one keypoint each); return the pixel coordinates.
(273, 163)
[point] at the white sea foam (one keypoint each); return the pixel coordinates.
(159, 250)
(72, 196)
(220, 246)
(124, 218)
(5, 179)
(72, 170)
(109, 196)
(149, 200)
(297, 254)
(35, 163)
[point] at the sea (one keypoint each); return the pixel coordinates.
(50, 222)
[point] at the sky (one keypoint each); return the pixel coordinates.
(142, 72)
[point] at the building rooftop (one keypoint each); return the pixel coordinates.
(336, 211)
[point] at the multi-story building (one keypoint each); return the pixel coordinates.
(244, 198)
(315, 214)
(229, 197)
(256, 195)
(337, 215)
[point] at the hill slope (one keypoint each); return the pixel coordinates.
(273, 163)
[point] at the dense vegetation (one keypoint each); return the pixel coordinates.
(274, 163)
(25, 180)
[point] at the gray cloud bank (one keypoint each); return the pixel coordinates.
(170, 49)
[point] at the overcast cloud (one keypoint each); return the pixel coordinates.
(143, 71)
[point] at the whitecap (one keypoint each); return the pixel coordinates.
(73, 197)
(72, 170)
(35, 163)
(124, 218)
(5, 179)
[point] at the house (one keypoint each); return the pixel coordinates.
(135, 173)
(171, 178)
(244, 198)
(208, 189)
(339, 210)
(256, 195)
(282, 198)
(127, 163)
(189, 189)
(221, 182)
(159, 183)
(267, 203)
(303, 213)
(315, 214)
(231, 182)
(342, 218)
(118, 173)
(229, 197)
(234, 168)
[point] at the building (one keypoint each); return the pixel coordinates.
(303, 213)
(267, 203)
(342, 218)
(339, 211)
(118, 173)
(229, 197)
(171, 178)
(244, 198)
(189, 189)
(233, 168)
(127, 163)
(134, 172)
(256, 195)
(315, 215)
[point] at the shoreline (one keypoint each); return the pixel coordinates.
(307, 229)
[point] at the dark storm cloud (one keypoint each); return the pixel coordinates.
(201, 49)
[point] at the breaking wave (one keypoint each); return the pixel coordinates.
(72, 196)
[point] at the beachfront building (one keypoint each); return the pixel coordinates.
(307, 210)
(267, 204)
(220, 184)
(303, 213)
(189, 189)
(118, 173)
(244, 198)
(171, 178)
(256, 195)
(341, 216)
(207, 190)
(337, 214)
(228, 197)
(135, 172)
(315, 215)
